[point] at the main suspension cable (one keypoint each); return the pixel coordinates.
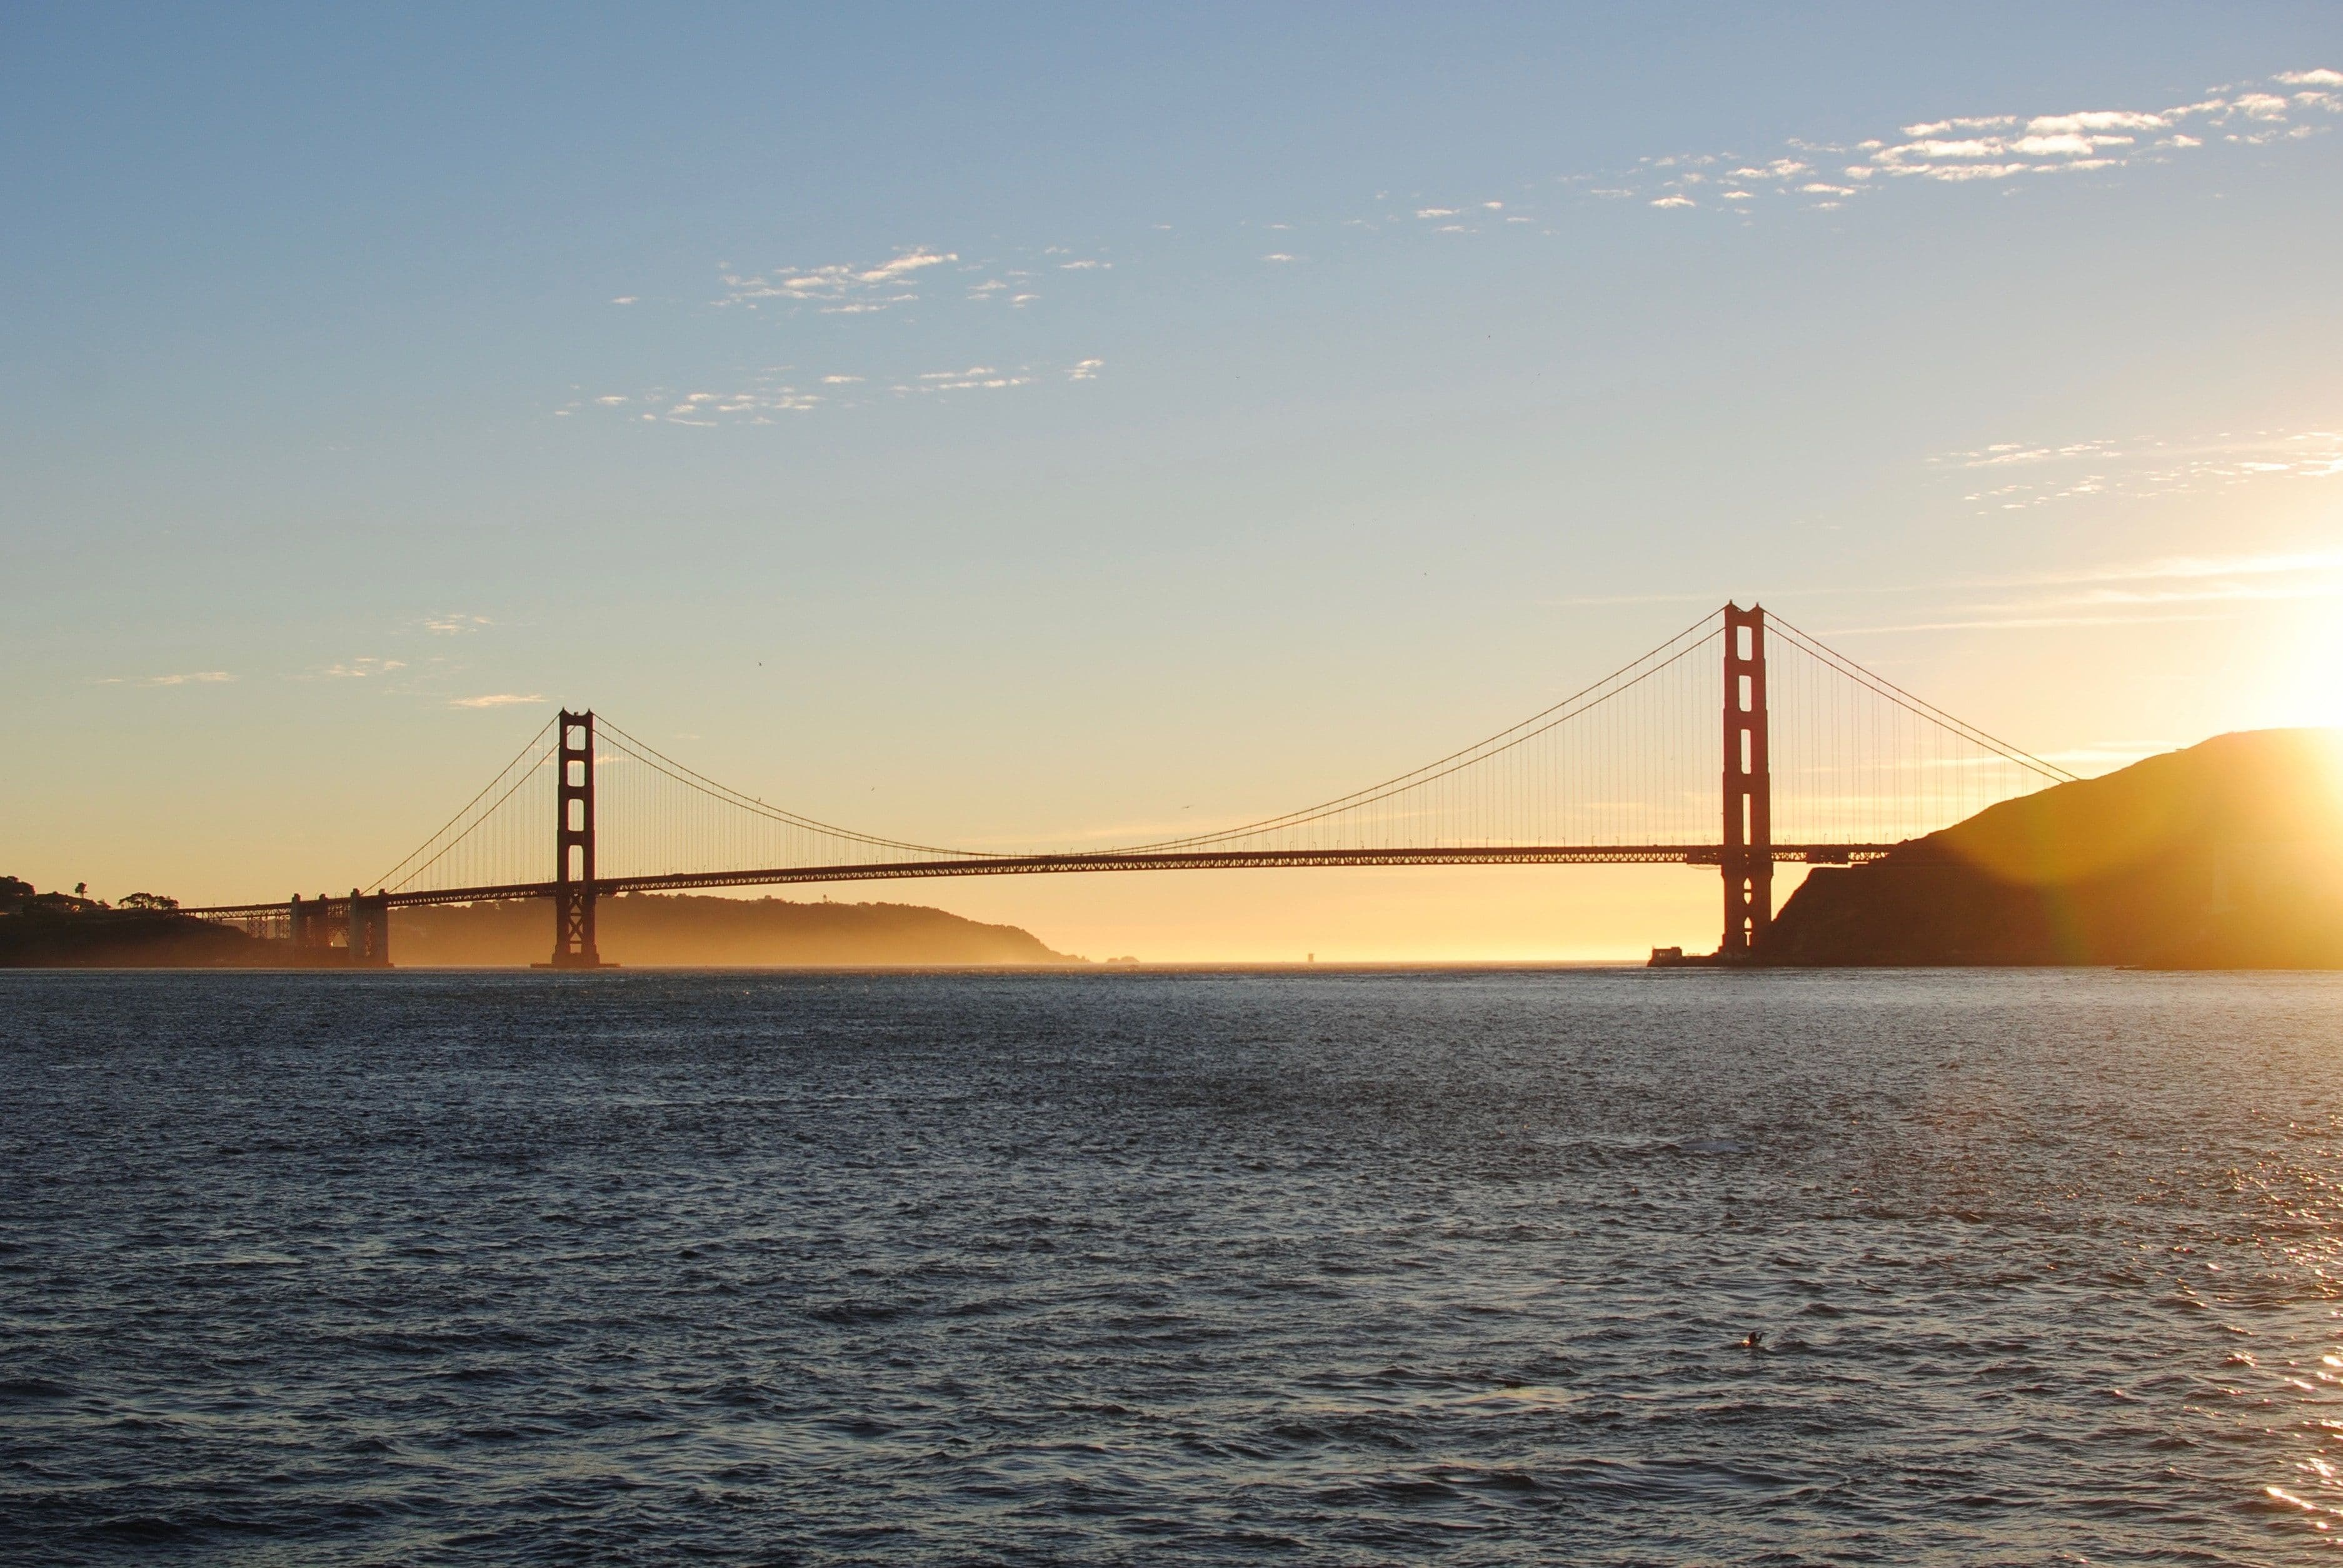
(385, 880)
(1477, 752)
(1885, 687)
(660, 762)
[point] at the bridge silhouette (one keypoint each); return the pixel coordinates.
(1815, 759)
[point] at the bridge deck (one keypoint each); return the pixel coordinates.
(1208, 861)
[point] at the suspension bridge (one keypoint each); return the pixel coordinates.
(1815, 759)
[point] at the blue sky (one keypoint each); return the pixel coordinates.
(982, 426)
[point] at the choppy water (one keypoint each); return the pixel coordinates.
(1343, 1268)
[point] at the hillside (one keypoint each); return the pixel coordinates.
(2228, 855)
(682, 930)
(58, 930)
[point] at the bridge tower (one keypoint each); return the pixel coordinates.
(1748, 787)
(573, 897)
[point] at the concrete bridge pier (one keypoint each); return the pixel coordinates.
(363, 923)
(308, 924)
(369, 937)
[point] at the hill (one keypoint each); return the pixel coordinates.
(63, 930)
(2227, 855)
(686, 930)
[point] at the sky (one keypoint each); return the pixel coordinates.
(998, 426)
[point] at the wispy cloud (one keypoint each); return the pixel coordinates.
(2166, 589)
(903, 266)
(766, 395)
(2213, 593)
(361, 669)
(1965, 149)
(851, 289)
(2013, 623)
(2015, 454)
(837, 289)
(494, 700)
(975, 378)
(191, 678)
(2191, 568)
(2122, 593)
(774, 396)
(2035, 475)
(1697, 596)
(457, 625)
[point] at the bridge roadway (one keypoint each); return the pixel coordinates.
(1029, 865)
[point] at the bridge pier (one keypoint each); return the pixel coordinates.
(573, 896)
(308, 925)
(369, 937)
(1748, 859)
(363, 923)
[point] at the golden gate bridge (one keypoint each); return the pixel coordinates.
(1815, 759)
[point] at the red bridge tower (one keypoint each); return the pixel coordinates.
(573, 896)
(1748, 787)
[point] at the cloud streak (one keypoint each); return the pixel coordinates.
(847, 289)
(2014, 623)
(975, 378)
(770, 398)
(2192, 569)
(1969, 149)
(2036, 476)
(191, 678)
(837, 289)
(2167, 589)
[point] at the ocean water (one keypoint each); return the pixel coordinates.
(1587, 1267)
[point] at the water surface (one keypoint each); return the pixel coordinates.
(1320, 1267)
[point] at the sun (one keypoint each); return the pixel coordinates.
(2311, 683)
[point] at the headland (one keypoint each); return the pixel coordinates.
(2225, 855)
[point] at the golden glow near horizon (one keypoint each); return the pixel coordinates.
(1107, 472)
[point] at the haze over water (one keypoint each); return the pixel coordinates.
(1332, 1267)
